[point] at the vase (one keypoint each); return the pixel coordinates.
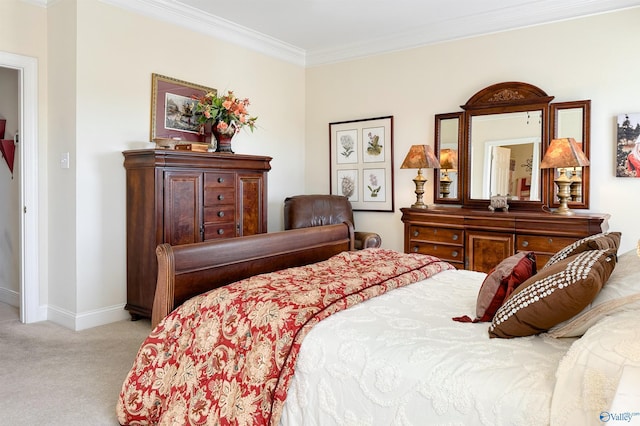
(223, 138)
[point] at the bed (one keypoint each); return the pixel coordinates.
(296, 328)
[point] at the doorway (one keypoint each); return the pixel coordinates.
(527, 152)
(9, 189)
(27, 155)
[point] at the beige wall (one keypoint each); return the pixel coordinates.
(64, 256)
(573, 60)
(113, 106)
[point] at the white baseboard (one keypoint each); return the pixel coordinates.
(67, 318)
(88, 319)
(10, 297)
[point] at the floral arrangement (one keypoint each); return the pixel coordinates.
(228, 111)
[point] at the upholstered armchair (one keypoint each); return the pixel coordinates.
(303, 211)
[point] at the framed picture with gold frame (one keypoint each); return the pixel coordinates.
(172, 109)
(361, 165)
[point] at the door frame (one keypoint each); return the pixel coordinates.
(535, 167)
(27, 151)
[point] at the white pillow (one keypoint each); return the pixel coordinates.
(590, 372)
(620, 292)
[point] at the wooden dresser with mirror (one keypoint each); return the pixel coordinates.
(494, 147)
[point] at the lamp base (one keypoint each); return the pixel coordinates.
(445, 185)
(419, 181)
(563, 212)
(564, 195)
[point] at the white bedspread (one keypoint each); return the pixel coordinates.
(399, 359)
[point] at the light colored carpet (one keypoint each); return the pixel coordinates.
(50, 375)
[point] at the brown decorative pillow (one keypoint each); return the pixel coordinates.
(554, 294)
(621, 292)
(502, 281)
(603, 241)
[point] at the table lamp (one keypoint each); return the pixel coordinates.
(561, 154)
(448, 161)
(420, 157)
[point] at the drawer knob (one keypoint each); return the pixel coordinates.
(550, 240)
(455, 237)
(220, 197)
(220, 231)
(415, 249)
(454, 253)
(220, 214)
(416, 233)
(220, 179)
(525, 243)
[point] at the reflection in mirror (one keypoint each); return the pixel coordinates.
(448, 172)
(570, 120)
(505, 155)
(447, 184)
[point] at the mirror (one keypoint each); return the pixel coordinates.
(505, 155)
(501, 138)
(447, 182)
(571, 120)
(507, 130)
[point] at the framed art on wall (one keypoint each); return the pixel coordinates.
(628, 145)
(361, 166)
(172, 109)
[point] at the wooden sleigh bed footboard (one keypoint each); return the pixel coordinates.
(188, 270)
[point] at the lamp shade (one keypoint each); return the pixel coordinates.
(562, 153)
(420, 157)
(448, 159)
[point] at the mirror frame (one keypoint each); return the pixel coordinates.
(437, 144)
(585, 106)
(508, 97)
(503, 98)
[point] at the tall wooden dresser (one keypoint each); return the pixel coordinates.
(479, 240)
(182, 197)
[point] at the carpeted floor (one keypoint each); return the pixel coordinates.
(50, 375)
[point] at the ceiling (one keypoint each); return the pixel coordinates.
(313, 32)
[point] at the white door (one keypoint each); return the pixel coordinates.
(500, 170)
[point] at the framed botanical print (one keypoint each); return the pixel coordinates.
(361, 165)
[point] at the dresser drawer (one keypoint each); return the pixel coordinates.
(218, 196)
(443, 251)
(222, 230)
(220, 214)
(219, 180)
(542, 244)
(435, 234)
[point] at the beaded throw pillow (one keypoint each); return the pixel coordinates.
(554, 294)
(606, 240)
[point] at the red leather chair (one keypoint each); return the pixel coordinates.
(303, 211)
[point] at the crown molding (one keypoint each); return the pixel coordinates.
(40, 3)
(213, 26)
(490, 22)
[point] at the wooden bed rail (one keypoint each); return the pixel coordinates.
(191, 269)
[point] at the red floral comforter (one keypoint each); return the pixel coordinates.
(226, 357)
